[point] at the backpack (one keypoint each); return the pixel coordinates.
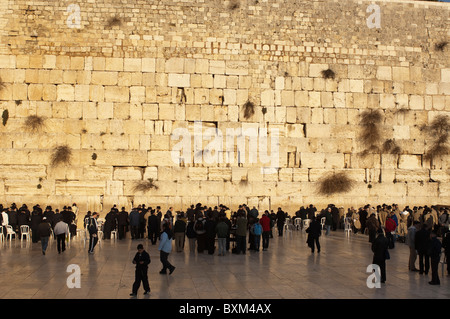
(257, 229)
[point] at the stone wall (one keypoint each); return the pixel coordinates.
(114, 91)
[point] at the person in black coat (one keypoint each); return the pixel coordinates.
(363, 215)
(50, 215)
(36, 218)
(421, 243)
(110, 224)
(141, 260)
(122, 222)
(446, 246)
(12, 217)
(335, 217)
(314, 231)
(380, 253)
(210, 227)
(23, 217)
(281, 218)
(153, 227)
(434, 251)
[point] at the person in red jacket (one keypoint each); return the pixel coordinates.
(390, 227)
(265, 223)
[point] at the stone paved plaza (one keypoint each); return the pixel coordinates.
(286, 270)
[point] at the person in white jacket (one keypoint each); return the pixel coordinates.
(61, 231)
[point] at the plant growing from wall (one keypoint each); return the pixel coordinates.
(440, 46)
(113, 21)
(370, 135)
(249, 109)
(61, 155)
(145, 186)
(34, 123)
(328, 74)
(234, 4)
(391, 146)
(438, 130)
(335, 183)
(5, 117)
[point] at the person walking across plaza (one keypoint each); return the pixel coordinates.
(93, 232)
(314, 231)
(381, 253)
(141, 260)
(61, 232)
(165, 247)
(44, 231)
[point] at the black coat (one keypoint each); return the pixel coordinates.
(210, 227)
(154, 223)
(281, 218)
(315, 229)
(110, 222)
(122, 218)
(44, 229)
(144, 257)
(422, 240)
(380, 247)
(36, 219)
(23, 218)
(50, 217)
(12, 217)
(434, 248)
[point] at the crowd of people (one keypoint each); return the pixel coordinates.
(247, 229)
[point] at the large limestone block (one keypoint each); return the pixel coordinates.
(219, 173)
(116, 158)
(127, 173)
(445, 75)
(236, 68)
(423, 189)
(161, 158)
(412, 175)
(179, 80)
(79, 187)
(312, 160)
(22, 171)
(117, 94)
(410, 162)
(175, 65)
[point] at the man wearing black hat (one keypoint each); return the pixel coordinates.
(93, 232)
(44, 231)
(434, 251)
(141, 260)
(380, 253)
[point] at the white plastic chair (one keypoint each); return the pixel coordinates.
(347, 226)
(322, 222)
(2, 237)
(25, 231)
(114, 234)
(287, 229)
(10, 232)
(100, 236)
(305, 224)
(298, 223)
